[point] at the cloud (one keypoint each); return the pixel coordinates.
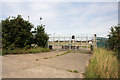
(59, 1)
(67, 17)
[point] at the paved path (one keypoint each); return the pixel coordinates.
(36, 66)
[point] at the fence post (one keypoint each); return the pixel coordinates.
(58, 40)
(81, 42)
(53, 43)
(64, 42)
(87, 42)
(69, 42)
(95, 36)
(76, 43)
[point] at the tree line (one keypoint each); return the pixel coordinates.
(17, 33)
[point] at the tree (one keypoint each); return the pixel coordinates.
(114, 38)
(16, 33)
(41, 38)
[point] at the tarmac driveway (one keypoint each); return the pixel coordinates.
(45, 65)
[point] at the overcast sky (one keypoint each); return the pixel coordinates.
(66, 17)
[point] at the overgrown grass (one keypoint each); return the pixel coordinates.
(103, 64)
(25, 51)
(119, 66)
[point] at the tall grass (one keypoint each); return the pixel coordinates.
(104, 64)
(25, 51)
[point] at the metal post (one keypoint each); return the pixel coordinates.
(58, 40)
(64, 42)
(78, 41)
(95, 41)
(75, 43)
(28, 18)
(69, 43)
(40, 20)
(81, 42)
(87, 42)
(53, 43)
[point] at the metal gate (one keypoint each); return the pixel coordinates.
(71, 42)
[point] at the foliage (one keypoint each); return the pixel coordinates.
(16, 33)
(41, 37)
(103, 64)
(114, 38)
(25, 51)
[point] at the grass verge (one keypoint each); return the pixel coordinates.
(103, 64)
(25, 51)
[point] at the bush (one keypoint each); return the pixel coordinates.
(114, 39)
(103, 64)
(41, 38)
(16, 33)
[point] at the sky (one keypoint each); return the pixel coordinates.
(66, 17)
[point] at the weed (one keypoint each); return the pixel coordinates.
(45, 58)
(62, 54)
(69, 70)
(36, 59)
(75, 71)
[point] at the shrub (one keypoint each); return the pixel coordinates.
(16, 33)
(114, 39)
(41, 38)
